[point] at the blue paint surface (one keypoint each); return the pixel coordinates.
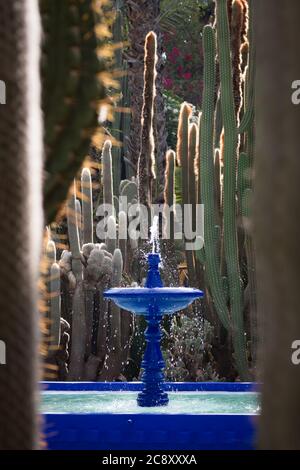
(149, 431)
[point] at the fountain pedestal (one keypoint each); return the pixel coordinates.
(153, 301)
(153, 364)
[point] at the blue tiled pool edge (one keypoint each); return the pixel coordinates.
(151, 431)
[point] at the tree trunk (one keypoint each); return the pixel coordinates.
(142, 17)
(21, 227)
(277, 219)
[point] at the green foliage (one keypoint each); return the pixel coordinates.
(172, 104)
(189, 353)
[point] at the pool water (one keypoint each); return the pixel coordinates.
(193, 403)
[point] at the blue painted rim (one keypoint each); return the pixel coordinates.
(149, 291)
(137, 386)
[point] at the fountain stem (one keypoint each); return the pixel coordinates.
(153, 276)
(153, 363)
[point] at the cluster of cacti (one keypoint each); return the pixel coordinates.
(74, 78)
(189, 353)
(99, 332)
(220, 179)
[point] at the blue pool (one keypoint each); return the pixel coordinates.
(105, 416)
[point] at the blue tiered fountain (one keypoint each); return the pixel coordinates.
(153, 301)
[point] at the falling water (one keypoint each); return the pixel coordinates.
(154, 235)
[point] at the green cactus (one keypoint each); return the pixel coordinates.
(90, 268)
(55, 305)
(146, 160)
(73, 232)
(186, 152)
(221, 254)
(107, 178)
(87, 206)
(169, 193)
(207, 177)
(115, 322)
(111, 234)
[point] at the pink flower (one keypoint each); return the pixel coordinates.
(188, 57)
(175, 51)
(167, 82)
(187, 75)
(172, 58)
(180, 70)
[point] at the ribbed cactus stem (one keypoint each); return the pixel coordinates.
(207, 177)
(117, 268)
(217, 179)
(72, 90)
(198, 162)
(237, 25)
(115, 313)
(107, 178)
(79, 219)
(193, 143)
(55, 305)
(128, 192)
(111, 234)
(230, 164)
(182, 152)
(77, 356)
(87, 206)
(74, 235)
(248, 116)
(146, 160)
(122, 233)
(169, 195)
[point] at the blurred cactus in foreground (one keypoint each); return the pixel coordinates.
(74, 79)
(21, 223)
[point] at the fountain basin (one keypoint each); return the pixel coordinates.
(95, 415)
(167, 300)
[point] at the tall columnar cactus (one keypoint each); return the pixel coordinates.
(221, 179)
(220, 201)
(73, 89)
(107, 178)
(54, 298)
(169, 194)
(146, 160)
(87, 206)
(186, 152)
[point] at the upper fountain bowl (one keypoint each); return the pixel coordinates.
(153, 297)
(166, 300)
